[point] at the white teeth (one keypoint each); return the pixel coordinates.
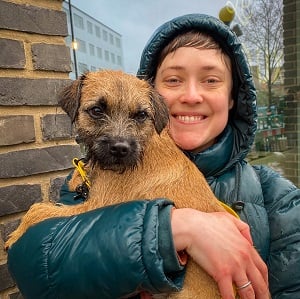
(188, 119)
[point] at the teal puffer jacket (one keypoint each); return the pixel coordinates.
(269, 203)
(107, 253)
(92, 256)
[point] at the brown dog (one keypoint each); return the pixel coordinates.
(121, 120)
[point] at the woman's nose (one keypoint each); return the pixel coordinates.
(192, 93)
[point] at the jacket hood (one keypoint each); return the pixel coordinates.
(243, 117)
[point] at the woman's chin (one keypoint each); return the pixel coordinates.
(189, 144)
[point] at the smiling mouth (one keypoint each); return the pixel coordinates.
(190, 119)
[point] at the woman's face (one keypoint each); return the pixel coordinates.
(196, 84)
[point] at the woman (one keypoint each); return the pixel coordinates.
(198, 65)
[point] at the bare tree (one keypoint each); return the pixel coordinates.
(261, 22)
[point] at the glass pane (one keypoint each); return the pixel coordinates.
(269, 35)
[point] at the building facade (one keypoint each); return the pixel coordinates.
(93, 45)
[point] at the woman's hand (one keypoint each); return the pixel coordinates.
(222, 245)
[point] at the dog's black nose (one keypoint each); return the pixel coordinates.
(120, 149)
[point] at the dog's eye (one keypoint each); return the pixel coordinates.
(140, 116)
(96, 112)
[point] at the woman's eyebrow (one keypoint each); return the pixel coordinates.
(208, 67)
(173, 67)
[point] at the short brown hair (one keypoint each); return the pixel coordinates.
(195, 39)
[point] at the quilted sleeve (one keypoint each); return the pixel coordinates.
(282, 200)
(106, 253)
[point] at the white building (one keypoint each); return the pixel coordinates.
(96, 45)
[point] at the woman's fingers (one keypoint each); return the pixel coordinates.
(243, 228)
(223, 246)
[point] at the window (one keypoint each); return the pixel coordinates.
(82, 68)
(112, 57)
(92, 49)
(106, 55)
(81, 45)
(89, 27)
(111, 38)
(98, 31)
(105, 35)
(78, 21)
(99, 52)
(118, 42)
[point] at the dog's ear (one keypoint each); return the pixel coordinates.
(69, 99)
(160, 111)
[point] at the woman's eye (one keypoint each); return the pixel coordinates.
(95, 112)
(172, 81)
(211, 81)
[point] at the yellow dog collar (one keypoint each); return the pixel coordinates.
(229, 209)
(79, 165)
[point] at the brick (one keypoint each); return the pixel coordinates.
(6, 280)
(18, 198)
(36, 161)
(33, 92)
(51, 57)
(16, 129)
(8, 227)
(289, 81)
(54, 189)
(32, 19)
(291, 56)
(289, 7)
(289, 65)
(291, 73)
(12, 54)
(291, 23)
(56, 126)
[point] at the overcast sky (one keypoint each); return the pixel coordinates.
(136, 20)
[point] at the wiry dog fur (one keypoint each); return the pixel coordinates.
(121, 120)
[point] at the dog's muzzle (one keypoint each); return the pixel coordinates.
(120, 149)
(116, 153)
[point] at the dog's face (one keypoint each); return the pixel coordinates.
(115, 114)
